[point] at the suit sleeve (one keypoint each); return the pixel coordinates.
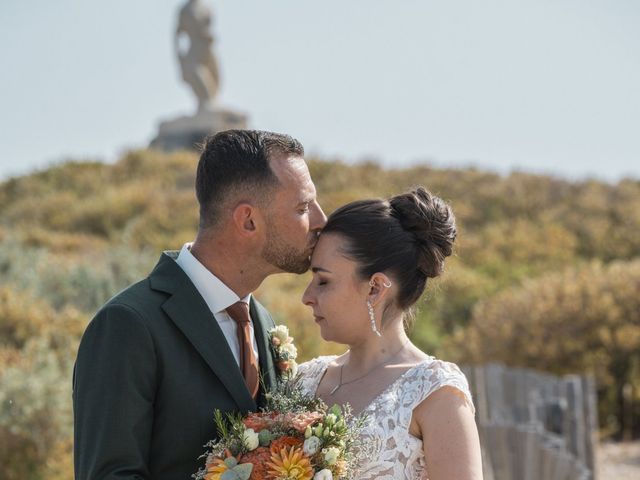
(113, 396)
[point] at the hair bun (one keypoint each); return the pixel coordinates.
(431, 221)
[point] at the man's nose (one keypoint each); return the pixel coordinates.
(319, 219)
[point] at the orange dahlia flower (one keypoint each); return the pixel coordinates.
(259, 458)
(292, 465)
(286, 442)
(216, 469)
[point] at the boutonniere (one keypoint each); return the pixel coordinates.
(284, 351)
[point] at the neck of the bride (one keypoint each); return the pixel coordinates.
(373, 350)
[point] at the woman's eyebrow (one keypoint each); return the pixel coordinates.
(320, 269)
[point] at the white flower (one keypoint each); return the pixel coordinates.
(324, 474)
(250, 439)
(311, 445)
(290, 349)
(331, 455)
(281, 332)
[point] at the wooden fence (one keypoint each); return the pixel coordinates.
(534, 426)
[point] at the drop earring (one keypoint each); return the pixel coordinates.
(372, 317)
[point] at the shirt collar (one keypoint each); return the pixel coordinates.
(215, 293)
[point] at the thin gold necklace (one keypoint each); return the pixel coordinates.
(341, 383)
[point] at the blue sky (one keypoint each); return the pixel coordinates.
(548, 86)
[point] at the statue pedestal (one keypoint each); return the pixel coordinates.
(188, 132)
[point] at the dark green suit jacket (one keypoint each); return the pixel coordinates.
(152, 366)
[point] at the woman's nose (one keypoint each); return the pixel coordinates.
(307, 298)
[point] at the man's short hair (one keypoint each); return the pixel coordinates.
(237, 161)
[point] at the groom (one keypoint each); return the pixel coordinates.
(160, 356)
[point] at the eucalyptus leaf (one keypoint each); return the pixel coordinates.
(230, 475)
(230, 462)
(244, 470)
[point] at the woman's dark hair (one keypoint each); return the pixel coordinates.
(407, 236)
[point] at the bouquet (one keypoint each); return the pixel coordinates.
(293, 437)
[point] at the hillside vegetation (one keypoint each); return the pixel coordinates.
(546, 275)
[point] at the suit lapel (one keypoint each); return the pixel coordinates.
(262, 323)
(188, 310)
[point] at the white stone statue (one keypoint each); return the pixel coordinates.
(197, 62)
(193, 45)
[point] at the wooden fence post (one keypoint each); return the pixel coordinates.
(514, 410)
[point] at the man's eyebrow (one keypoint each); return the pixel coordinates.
(320, 269)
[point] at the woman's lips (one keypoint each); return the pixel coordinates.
(318, 318)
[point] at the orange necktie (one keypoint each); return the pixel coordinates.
(239, 312)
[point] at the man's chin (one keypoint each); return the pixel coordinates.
(303, 267)
(304, 264)
(299, 267)
(297, 262)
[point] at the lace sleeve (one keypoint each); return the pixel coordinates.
(432, 377)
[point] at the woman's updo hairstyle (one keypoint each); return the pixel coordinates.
(408, 236)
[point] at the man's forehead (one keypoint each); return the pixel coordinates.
(292, 170)
(284, 165)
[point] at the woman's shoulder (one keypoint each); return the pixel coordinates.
(309, 373)
(433, 374)
(315, 365)
(443, 368)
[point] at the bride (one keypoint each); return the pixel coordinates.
(370, 266)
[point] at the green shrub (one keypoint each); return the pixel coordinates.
(584, 319)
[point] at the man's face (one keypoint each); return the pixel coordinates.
(294, 218)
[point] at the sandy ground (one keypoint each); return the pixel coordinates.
(619, 461)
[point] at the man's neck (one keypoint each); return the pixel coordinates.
(236, 269)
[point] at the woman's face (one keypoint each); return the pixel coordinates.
(336, 294)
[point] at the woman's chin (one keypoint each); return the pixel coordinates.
(326, 335)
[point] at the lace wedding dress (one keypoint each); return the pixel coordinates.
(392, 452)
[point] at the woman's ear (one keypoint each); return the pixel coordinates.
(379, 287)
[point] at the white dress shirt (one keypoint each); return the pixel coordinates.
(217, 296)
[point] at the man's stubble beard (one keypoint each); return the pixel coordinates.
(279, 253)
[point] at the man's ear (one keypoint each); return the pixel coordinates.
(244, 219)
